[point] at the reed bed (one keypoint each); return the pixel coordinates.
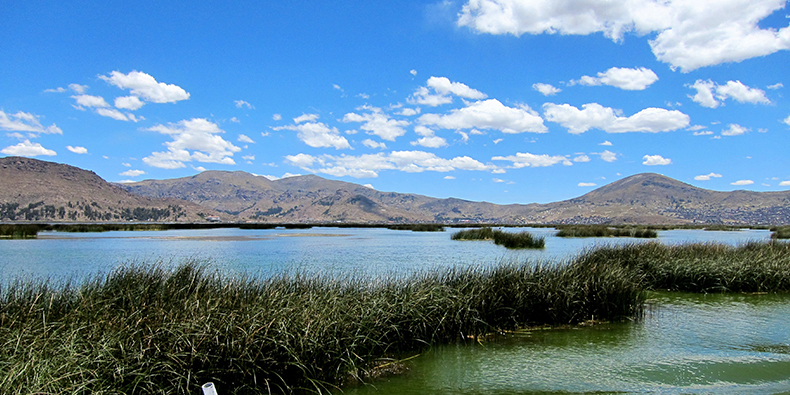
(150, 330)
(418, 227)
(505, 239)
(780, 232)
(605, 231)
(701, 267)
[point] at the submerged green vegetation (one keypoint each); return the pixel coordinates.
(152, 330)
(505, 239)
(605, 231)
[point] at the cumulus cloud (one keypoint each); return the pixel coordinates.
(131, 103)
(607, 156)
(703, 133)
(489, 114)
(407, 112)
(581, 158)
(132, 173)
(26, 148)
(370, 165)
(245, 139)
(77, 88)
(91, 101)
(735, 130)
(784, 184)
(196, 139)
(596, 116)
(316, 134)
(526, 159)
(145, 86)
(439, 90)
(606, 143)
(77, 150)
(374, 144)
(243, 104)
(377, 123)
(786, 121)
(277, 117)
(26, 122)
(707, 177)
(711, 95)
(656, 160)
(586, 184)
(546, 89)
(742, 182)
(623, 78)
(688, 34)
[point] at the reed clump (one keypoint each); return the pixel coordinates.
(505, 239)
(418, 227)
(151, 330)
(780, 232)
(605, 231)
(702, 267)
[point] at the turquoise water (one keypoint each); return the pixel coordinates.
(686, 343)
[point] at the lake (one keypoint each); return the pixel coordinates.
(686, 343)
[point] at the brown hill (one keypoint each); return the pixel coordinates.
(34, 190)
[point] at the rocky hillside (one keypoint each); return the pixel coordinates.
(642, 198)
(34, 190)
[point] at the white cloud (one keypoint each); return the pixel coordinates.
(731, 90)
(430, 142)
(449, 178)
(586, 184)
(607, 156)
(581, 159)
(688, 34)
(526, 159)
(377, 123)
(742, 182)
(145, 86)
(735, 130)
(703, 133)
(546, 89)
(114, 114)
(26, 122)
(407, 112)
(242, 104)
(369, 165)
(197, 135)
(606, 143)
(91, 101)
(248, 157)
(373, 144)
(59, 89)
(26, 148)
(306, 118)
(775, 86)
(443, 88)
(131, 103)
(707, 177)
(413, 72)
(277, 117)
(623, 78)
(594, 115)
(77, 150)
(786, 120)
(132, 173)
(489, 114)
(656, 160)
(317, 134)
(77, 88)
(784, 184)
(245, 139)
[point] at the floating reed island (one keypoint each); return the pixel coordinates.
(605, 231)
(146, 329)
(506, 239)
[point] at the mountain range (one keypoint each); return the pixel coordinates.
(646, 198)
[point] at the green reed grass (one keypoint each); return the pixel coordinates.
(702, 267)
(605, 231)
(505, 239)
(780, 232)
(149, 330)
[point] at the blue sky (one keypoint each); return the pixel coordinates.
(507, 101)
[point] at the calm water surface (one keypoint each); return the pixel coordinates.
(686, 344)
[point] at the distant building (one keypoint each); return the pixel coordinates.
(213, 219)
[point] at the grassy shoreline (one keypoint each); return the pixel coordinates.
(146, 329)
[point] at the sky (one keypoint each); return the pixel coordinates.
(505, 101)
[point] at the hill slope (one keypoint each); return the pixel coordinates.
(34, 190)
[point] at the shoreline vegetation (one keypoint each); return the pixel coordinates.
(148, 329)
(606, 231)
